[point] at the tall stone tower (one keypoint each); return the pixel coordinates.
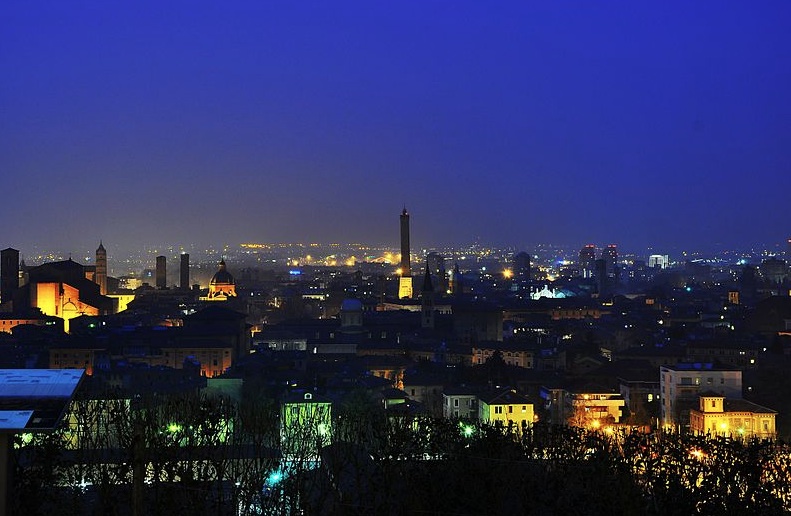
(9, 274)
(427, 300)
(162, 272)
(184, 272)
(101, 269)
(456, 281)
(405, 282)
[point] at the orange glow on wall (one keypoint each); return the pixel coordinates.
(61, 300)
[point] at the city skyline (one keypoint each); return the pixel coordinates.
(507, 124)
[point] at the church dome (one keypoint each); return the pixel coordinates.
(351, 305)
(222, 276)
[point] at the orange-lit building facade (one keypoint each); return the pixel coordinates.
(594, 409)
(64, 289)
(11, 320)
(213, 360)
(60, 300)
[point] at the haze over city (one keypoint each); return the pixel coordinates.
(319, 258)
(645, 125)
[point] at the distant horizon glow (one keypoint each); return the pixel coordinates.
(664, 127)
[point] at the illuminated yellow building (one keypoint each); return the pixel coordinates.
(222, 285)
(717, 415)
(123, 300)
(404, 287)
(507, 407)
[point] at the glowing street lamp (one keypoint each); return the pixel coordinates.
(467, 430)
(274, 478)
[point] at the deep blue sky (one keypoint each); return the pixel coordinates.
(641, 123)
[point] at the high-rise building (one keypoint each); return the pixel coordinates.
(9, 274)
(456, 286)
(600, 274)
(774, 270)
(162, 273)
(521, 267)
(436, 265)
(587, 261)
(610, 257)
(405, 281)
(658, 261)
(681, 385)
(101, 269)
(435, 262)
(184, 271)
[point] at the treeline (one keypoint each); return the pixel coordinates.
(198, 455)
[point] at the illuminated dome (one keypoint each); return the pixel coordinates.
(222, 285)
(222, 276)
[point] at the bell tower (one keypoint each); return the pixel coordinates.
(405, 282)
(101, 269)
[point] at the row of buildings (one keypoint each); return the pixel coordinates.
(466, 346)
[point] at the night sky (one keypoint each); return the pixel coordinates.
(640, 123)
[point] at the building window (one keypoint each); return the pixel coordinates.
(456, 402)
(498, 410)
(510, 409)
